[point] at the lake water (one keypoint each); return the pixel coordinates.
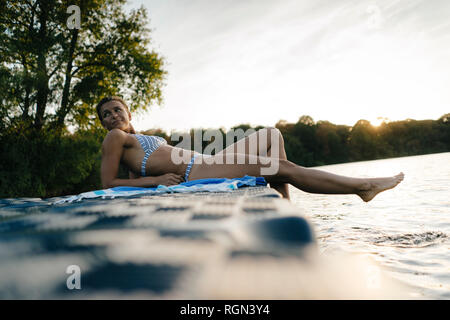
(406, 230)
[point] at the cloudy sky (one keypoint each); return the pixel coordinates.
(261, 61)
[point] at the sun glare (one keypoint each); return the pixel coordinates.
(378, 121)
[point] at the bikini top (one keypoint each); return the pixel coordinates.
(149, 144)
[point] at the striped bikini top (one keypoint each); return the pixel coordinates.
(148, 144)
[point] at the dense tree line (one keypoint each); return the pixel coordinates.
(50, 165)
(311, 144)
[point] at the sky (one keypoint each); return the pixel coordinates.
(231, 62)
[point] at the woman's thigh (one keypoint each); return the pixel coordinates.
(257, 143)
(235, 166)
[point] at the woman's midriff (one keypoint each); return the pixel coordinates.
(168, 159)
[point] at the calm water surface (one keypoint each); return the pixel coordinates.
(405, 230)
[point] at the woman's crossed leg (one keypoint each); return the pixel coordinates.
(267, 142)
(235, 165)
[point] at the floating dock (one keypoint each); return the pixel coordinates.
(244, 244)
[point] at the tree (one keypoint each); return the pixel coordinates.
(305, 131)
(51, 75)
(332, 141)
(306, 120)
(362, 141)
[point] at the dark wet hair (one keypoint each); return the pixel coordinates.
(108, 99)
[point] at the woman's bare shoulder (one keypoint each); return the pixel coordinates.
(115, 138)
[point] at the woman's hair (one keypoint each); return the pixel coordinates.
(108, 99)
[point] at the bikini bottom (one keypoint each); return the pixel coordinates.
(189, 167)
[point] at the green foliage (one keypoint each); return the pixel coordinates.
(52, 76)
(42, 164)
(312, 144)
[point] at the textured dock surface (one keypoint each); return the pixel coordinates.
(245, 244)
(181, 246)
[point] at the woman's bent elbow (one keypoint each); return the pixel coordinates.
(107, 184)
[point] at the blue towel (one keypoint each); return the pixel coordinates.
(200, 185)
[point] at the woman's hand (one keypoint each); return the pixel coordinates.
(168, 179)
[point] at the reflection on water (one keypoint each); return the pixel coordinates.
(406, 230)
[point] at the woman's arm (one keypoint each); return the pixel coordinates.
(112, 150)
(132, 175)
(167, 179)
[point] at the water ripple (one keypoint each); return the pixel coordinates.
(411, 240)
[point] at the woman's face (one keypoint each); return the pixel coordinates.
(115, 116)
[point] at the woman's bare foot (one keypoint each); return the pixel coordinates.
(376, 185)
